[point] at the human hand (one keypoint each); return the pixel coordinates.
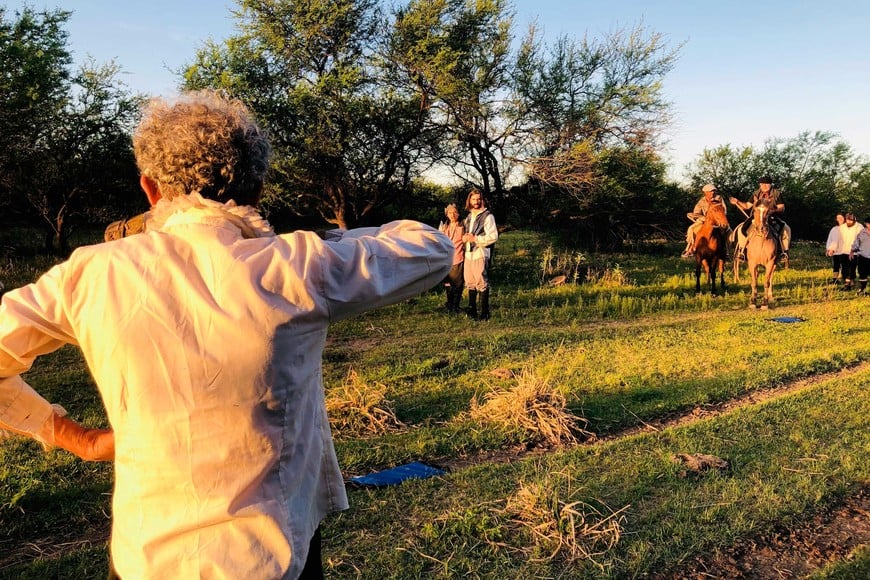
(85, 443)
(732, 200)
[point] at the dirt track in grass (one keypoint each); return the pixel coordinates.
(787, 552)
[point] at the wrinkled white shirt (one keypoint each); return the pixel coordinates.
(206, 348)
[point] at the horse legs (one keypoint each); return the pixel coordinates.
(711, 277)
(697, 277)
(768, 284)
(753, 270)
(721, 275)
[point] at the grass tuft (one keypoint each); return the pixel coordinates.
(572, 531)
(533, 408)
(357, 409)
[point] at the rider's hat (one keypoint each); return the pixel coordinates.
(765, 179)
(708, 187)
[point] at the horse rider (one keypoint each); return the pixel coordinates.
(781, 230)
(697, 216)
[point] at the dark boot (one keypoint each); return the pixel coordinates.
(457, 298)
(454, 295)
(484, 305)
(472, 304)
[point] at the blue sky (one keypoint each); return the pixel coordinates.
(748, 70)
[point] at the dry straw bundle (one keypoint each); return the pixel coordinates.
(533, 407)
(357, 409)
(572, 530)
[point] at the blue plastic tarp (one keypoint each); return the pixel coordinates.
(396, 475)
(787, 319)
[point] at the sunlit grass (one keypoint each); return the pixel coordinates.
(631, 345)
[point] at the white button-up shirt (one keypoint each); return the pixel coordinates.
(206, 348)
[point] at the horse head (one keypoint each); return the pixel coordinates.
(760, 215)
(715, 216)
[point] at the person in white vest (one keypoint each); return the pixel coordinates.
(480, 234)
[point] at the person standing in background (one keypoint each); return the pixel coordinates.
(480, 234)
(849, 231)
(861, 251)
(833, 249)
(454, 229)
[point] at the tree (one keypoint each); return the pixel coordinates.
(457, 56)
(344, 138)
(817, 172)
(624, 198)
(66, 150)
(584, 107)
(606, 92)
(34, 78)
(86, 166)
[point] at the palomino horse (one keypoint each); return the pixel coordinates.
(711, 247)
(761, 250)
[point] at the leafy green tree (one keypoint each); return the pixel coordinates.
(66, 151)
(34, 77)
(345, 138)
(457, 55)
(584, 107)
(605, 92)
(360, 104)
(625, 198)
(818, 173)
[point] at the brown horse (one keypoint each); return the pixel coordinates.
(711, 247)
(761, 250)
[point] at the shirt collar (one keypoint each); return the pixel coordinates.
(193, 208)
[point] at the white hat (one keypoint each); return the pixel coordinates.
(708, 187)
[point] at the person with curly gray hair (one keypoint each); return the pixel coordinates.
(454, 229)
(204, 335)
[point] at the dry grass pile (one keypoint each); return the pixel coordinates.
(572, 531)
(357, 409)
(534, 408)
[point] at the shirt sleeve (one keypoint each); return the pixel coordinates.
(856, 245)
(23, 410)
(32, 323)
(833, 239)
(490, 233)
(366, 268)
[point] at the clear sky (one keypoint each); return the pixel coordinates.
(748, 70)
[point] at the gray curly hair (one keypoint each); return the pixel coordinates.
(203, 142)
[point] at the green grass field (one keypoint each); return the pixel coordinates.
(634, 351)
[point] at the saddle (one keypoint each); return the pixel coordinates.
(741, 234)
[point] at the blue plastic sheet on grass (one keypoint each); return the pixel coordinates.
(396, 475)
(788, 319)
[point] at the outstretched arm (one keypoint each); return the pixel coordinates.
(366, 268)
(740, 204)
